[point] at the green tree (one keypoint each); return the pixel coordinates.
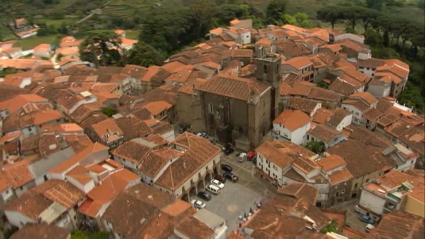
(288, 19)
(100, 48)
(330, 14)
(316, 147)
(302, 20)
(375, 4)
(202, 13)
(167, 29)
(275, 11)
(100, 235)
(144, 55)
(373, 38)
(109, 111)
(78, 235)
(59, 56)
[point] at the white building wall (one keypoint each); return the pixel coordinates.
(245, 37)
(357, 115)
(349, 36)
(345, 122)
(367, 71)
(7, 194)
(364, 56)
(372, 202)
(169, 135)
(17, 219)
(318, 106)
(380, 90)
(125, 162)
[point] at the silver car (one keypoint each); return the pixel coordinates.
(198, 204)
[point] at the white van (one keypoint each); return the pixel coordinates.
(213, 189)
(369, 227)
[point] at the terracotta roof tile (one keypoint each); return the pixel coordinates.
(343, 87)
(305, 105)
(173, 67)
(199, 151)
(366, 96)
(340, 176)
(29, 204)
(18, 173)
(276, 153)
(61, 192)
(337, 115)
(193, 228)
(357, 154)
(125, 220)
(372, 115)
(41, 230)
(234, 87)
(298, 62)
(300, 190)
(132, 151)
(398, 224)
(292, 119)
(157, 107)
(331, 162)
(156, 160)
(324, 133)
(359, 104)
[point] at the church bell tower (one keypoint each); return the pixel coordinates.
(268, 71)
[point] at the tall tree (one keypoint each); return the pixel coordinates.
(330, 14)
(101, 48)
(275, 11)
(143, 54)
(202, 13)
(352, 15)
(167, 29)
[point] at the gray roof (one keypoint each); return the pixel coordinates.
(210, 219)
(42, 166)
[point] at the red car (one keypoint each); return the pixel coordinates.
(250, 156)
(220, 178)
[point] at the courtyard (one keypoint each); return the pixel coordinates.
(236, 198)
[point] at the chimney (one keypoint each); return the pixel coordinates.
(184, 165)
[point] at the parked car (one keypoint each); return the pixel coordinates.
(220, 178)
(369, 227)
(202, 134)
(231, 176)
(367, 219)
(241, 157)
(250, 156)
(226, 167)
(357, 208)
(213, 189)
(217, 183)
(198, 204)
(204, 195)
(228, 151)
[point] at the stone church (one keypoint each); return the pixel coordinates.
(239, 110)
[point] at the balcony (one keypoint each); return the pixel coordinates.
(395, 196)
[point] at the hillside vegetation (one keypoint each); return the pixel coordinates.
(393, 28)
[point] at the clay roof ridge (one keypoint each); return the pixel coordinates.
(171, 175)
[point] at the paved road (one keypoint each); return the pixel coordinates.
(352, 217)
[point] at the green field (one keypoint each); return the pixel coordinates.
(132, 34)
(56, 22)
(31, 42)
